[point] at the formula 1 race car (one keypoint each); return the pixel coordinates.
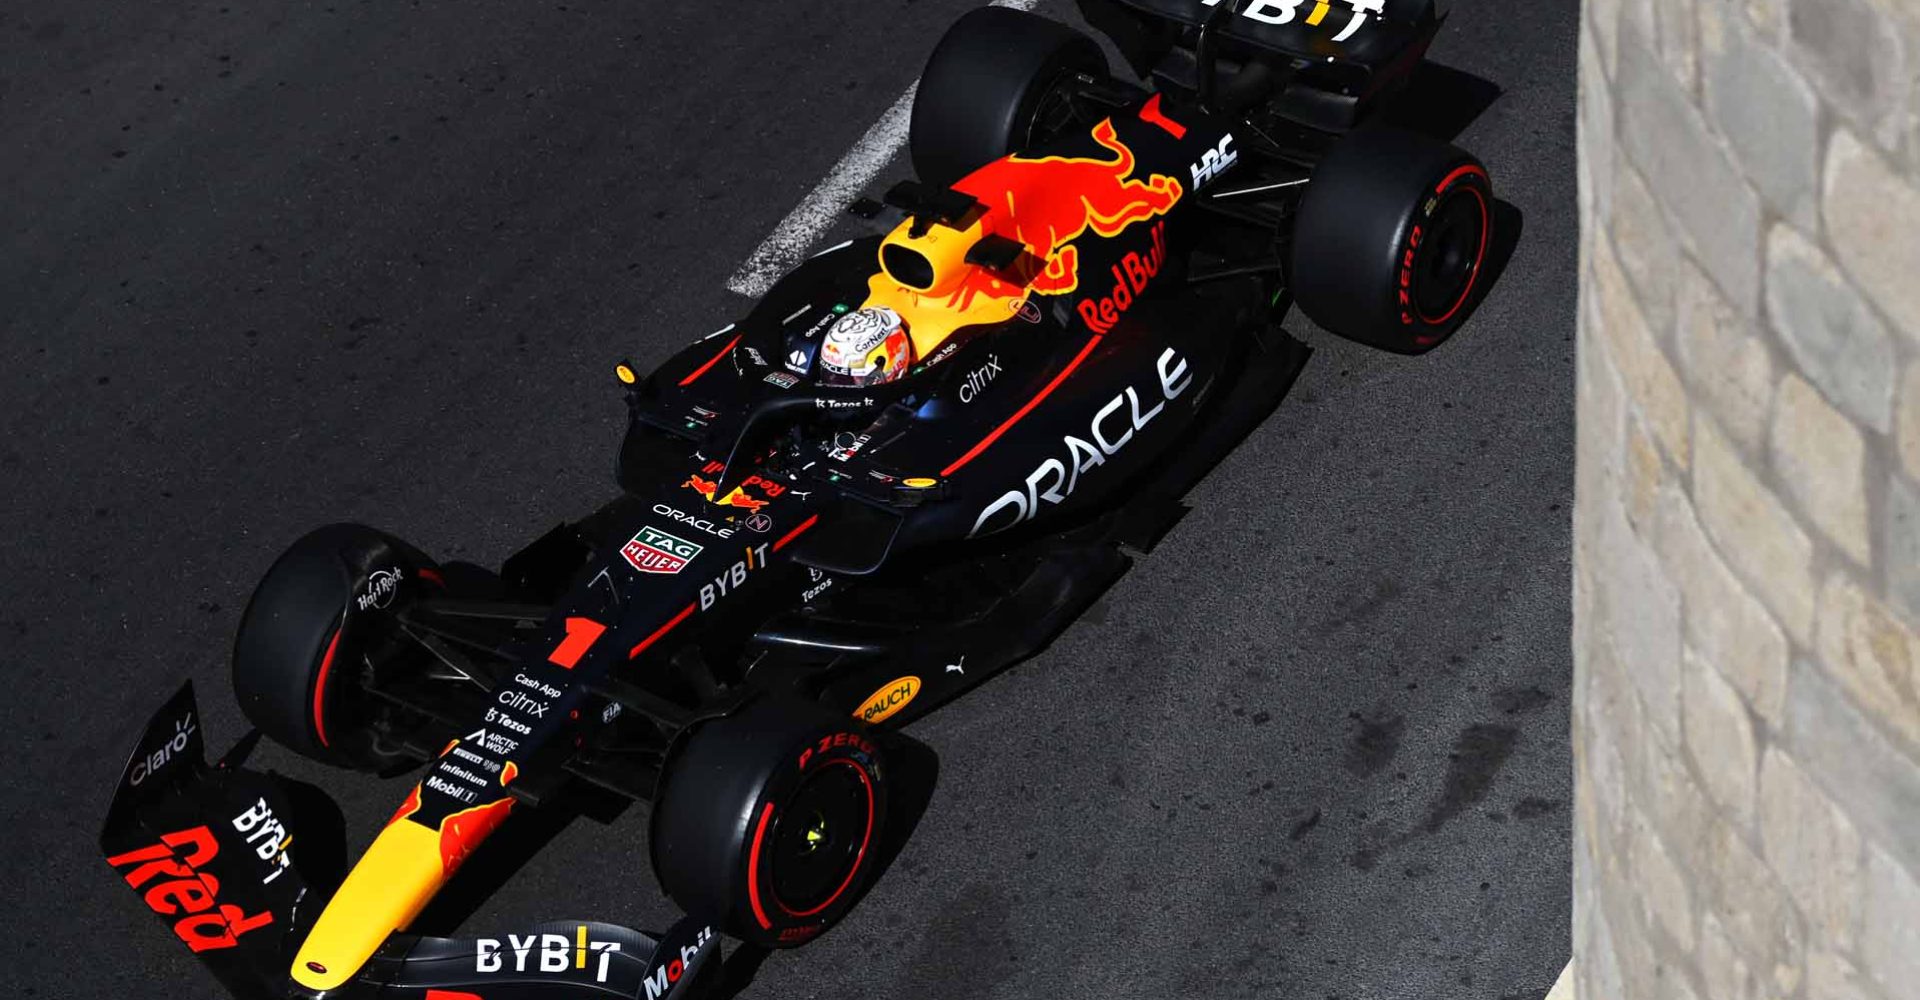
(911, 465)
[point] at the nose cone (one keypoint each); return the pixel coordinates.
(393, 881)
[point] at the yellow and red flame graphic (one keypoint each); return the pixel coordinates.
(737, 497)
(1048, 202)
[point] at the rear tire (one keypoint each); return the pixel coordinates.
(318, 621)
(768, 822)
(991, 88)
(1391, 242)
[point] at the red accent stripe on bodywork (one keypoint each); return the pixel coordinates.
(662, 630)
(702, 370)
(975, 451)
(320, 689)
(795, 533)
(1150, 112)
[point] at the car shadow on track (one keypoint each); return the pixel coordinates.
(1440, 101)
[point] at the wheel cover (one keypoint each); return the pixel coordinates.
(821, 838)
(1449, 258)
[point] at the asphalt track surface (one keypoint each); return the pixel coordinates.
(270, 265)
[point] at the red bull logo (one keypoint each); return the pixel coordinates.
(1130, 278)
(171, 875)
(736, 497)
(1048, 202)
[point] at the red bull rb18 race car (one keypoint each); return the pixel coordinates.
(910, 465)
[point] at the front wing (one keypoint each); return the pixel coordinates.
(213, 851)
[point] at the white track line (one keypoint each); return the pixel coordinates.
(789, 242)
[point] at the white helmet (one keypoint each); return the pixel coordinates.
(868, 346)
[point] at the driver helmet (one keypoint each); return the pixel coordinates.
(868, 346)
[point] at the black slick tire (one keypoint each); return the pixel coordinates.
(768, 822)
(984, 87)
(318, 614)
(1391, 243)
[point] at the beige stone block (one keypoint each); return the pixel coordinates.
(1829, 331)
(1646, 474)
(1831, 977)
(1599, 422)
(1599, 975)
(1594, 162)
(1599, 772)
(1907, 422)
(1768, 16)
(1676, 27)
(1691, 170)
(1617, 734)
(1649, 377)
(1722, 621)
(1821, 457)
(1889, 930)
(1754, 907)
(1647, 251)
(1644, 968)
(1719, 738)
(1603, 26)
(1672, 797)
(1662, 889)
(1873, 216)
(1724, 358)
(1638, 611)
(1754, 532)
(1722, 972)
(1873, 654)
(1813, 847)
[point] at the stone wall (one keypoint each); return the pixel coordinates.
(1747, 529)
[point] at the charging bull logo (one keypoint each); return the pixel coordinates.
(736, 497)
(1049, 202)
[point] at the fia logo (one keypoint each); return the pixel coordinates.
(1217, 160)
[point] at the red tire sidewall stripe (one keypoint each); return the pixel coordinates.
(1480, 253)
(320, 689)
(753, 869)
(859, 858)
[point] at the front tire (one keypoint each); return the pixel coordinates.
(1391, 244)
(768, 822)
(320, 619)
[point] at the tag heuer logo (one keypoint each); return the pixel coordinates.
(654, 551)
